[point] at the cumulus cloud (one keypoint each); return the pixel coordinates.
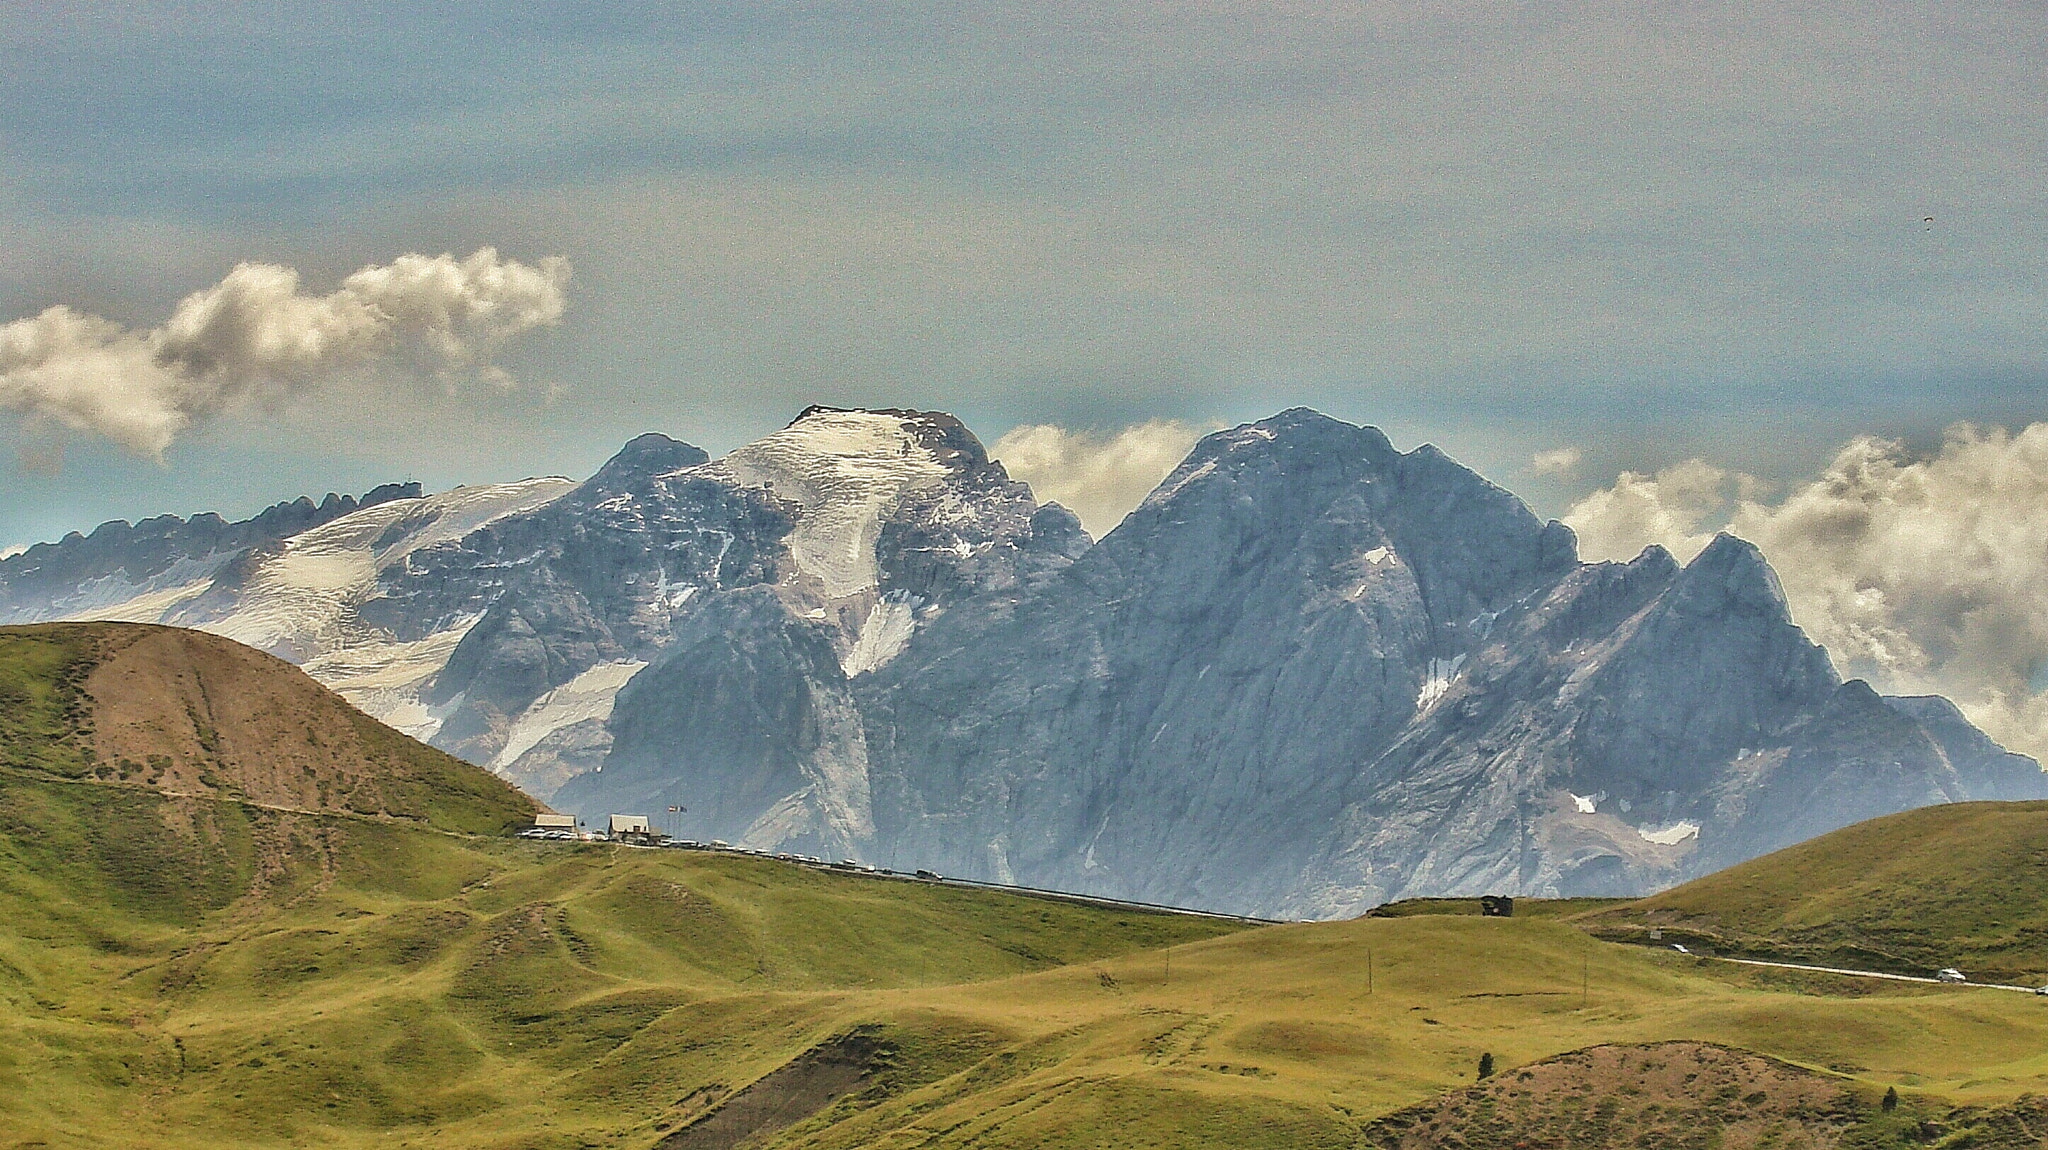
(1561, 462)
(255, 333)
(1923, 573)
(1679, 507)
(1098, 477)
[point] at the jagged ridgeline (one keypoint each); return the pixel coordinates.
(1311, 673)
(189, 715)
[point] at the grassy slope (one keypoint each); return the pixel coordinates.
(389, 985)
(1963, 885)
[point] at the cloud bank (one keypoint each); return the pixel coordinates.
(1099, 478)
(1920, 572)
(255, 334)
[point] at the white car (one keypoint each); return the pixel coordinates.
(1950, 974)
(1680, 948)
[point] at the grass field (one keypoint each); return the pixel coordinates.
(389, 986)
(1964, 885)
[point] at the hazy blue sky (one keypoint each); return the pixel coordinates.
(1649, 231)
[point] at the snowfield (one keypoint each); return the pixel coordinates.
(846, 471)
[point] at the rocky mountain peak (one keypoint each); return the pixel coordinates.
(643, 456)
(1730, 575)
(845, 473)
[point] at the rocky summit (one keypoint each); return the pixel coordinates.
(1310, 674)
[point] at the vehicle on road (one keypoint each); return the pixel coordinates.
(1680, 948)
(1951, 974)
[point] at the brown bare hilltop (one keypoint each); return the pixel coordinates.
(195, 715)
(1691, 1096)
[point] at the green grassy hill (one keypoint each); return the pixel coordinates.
(185, 972)
(211, 973)
(1963, 885)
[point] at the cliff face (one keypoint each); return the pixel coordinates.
(1309, 674)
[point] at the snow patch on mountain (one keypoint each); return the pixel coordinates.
(845, 470)
(114, 597)
(1437, 682)
(384, 678)
(299, 604)
(587, 696)
(1672, 835)
(883, 635)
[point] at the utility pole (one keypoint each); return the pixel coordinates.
(1368, 970)
(1585, 983)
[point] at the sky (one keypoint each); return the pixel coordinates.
(1571, 244)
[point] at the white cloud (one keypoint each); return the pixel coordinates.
(1100, 478)
(255, 333)
(1678, 507)
(1561, 462)
(1922, 573)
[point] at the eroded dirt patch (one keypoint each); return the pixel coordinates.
(805, 1085)
(1675, 1095)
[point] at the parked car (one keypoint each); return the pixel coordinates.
(1680, 948)
(2041, 990)
(932, 875)
(1951, 974)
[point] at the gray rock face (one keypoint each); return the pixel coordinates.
(890, 521)
(1309, 674)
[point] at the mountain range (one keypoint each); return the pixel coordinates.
(1309, 674)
